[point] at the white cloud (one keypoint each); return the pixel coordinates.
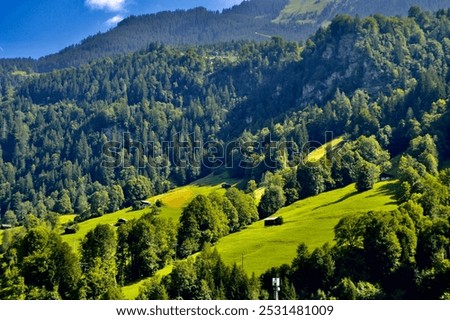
(111, 5)
(114, 20)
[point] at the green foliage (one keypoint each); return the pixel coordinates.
(98, 261)
(382, 248)
(10, 218)
(350, 231)
(221, 203)
(245, 206)
(99, 243)
(207, 277)
(251, 186)
(272, 200)
(366, 175)
(381, 82)
(143, 247)
(116, 198)
(38, 264)
(153, 290)
(310, 179)
(424, 150)
(61, 120)
(12, 284)
(64, 204)
(99, 202)
(137, 188)
(200, 223)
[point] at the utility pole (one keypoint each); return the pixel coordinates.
(276, 287)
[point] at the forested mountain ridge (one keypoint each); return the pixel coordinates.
(95, 138)
(388, 78)
(294, 20)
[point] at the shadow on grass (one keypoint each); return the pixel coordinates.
(347, 196)
(389, 189)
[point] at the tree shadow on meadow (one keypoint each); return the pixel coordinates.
(345, 197)
(389, 189)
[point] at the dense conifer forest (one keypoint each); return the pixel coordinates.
(95, 138)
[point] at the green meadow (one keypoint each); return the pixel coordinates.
(297, 8)
(319, 153)
(311, 221)
(173, 203)
(131, 291)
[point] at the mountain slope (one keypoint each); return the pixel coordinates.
(318, 12)
(377, 76)
(311, 220)
(251, 20)
(195, 26)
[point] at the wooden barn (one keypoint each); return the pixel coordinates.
(273, 221)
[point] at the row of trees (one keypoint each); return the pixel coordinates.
(206, 277)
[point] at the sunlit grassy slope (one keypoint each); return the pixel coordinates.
(173, 203)
(320, 152)
(131, 291)
(310, 220)
(297, 9)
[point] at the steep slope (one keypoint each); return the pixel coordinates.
(319, 12)
(173, 203)
(311, 220)
(251, 20)
(376, 76)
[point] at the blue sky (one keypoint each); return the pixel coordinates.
(34, 28)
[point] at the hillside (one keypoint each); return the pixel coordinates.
(294, 20)
(59, 128)
(321, 12)
(311, 221)
(173, 203)
(196, 26)
(97, 139)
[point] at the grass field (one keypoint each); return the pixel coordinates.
(320, 152)
(311, 220)
(131, 291)
(173, 203)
